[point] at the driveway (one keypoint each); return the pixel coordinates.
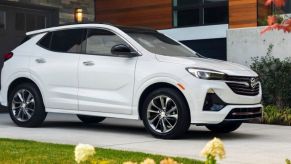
(252, 143)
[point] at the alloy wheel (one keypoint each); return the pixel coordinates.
(162, 114)
(23, 105)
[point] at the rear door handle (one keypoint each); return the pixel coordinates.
(88, 63)
(41, 60)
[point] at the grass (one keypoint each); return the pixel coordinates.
(30, 152)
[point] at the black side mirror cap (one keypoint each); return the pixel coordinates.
(123, 50)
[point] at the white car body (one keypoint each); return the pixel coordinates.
(114, 85)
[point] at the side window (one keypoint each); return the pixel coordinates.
(45, 41)
(67, 40)
(100, 42)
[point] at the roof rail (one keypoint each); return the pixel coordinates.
(53, 28)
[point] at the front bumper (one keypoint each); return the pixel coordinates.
(197, 91)
(230, 113)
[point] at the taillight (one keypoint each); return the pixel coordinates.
(8, 56)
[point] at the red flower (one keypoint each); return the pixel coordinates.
(285, 26)
(272, 20)
(278, 3)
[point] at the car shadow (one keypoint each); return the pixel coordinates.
(193, 133)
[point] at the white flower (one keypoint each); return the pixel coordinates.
(168, 161)
(214, 148)
(148, 161)
(83, 152)
(129, 162)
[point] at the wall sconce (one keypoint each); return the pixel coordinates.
(78, 15)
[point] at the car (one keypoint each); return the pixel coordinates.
(97, 71)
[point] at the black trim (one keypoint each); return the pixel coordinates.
(244, 113)
(3, 108)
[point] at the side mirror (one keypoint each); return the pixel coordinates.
(123, 50)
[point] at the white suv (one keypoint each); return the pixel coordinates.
(97, 71)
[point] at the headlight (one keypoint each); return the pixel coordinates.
(206, 74)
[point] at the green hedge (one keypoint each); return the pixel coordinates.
(273, 115)
(275, 76)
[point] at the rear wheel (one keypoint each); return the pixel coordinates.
(26, 106)
(165, 113)
(224, 127)
(90, 119)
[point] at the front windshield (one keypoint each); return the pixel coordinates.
(160, 44)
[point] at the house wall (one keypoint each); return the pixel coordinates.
(66, 8)
(243, 44)
(242, 13)
(148, 13)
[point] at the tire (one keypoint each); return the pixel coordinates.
(224, 127)
(20, 110)
(90, 119)
(176, 122)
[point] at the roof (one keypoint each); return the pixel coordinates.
(86, 25)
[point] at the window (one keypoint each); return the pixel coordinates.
(2, 20)
(20, 22)
(287, 7)
(216, 15)
(158, 43)
(67, 40)
(184, 15)
(199, 12)
(29, 22)
(100, 42)
(46, 41)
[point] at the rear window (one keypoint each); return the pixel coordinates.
(67, 41)
(45, 41)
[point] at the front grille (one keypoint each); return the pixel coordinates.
(244, 113)
(243, 85)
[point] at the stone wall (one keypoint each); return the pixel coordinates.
(66, 8)
(245, 43)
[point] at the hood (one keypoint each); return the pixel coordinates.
(206, 63)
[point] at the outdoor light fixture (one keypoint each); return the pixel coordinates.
(78, 15)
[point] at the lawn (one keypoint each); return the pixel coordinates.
(30, 152)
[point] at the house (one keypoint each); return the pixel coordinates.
(200, 24)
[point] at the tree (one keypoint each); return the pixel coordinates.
(273, 23)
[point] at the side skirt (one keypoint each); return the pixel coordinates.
(90, 113)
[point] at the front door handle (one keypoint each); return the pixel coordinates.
(88, 63)
(40, 60)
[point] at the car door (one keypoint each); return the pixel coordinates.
(55, 65)
(106, 81)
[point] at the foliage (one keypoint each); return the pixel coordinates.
(288, 161)
(274, 115)
(275, 78)
(20, 152)
(213, 149)
(274, 21)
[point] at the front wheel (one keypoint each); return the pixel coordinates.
(224, 127)
(166, 114)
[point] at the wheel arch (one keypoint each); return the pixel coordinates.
(18, 81)
(153, 87)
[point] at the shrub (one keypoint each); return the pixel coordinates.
(273, 115)
(275, 78)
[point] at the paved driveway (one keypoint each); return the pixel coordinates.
(252, 143)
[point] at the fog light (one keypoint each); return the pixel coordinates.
(213, 102)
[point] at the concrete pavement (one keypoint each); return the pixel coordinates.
(252, 143)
